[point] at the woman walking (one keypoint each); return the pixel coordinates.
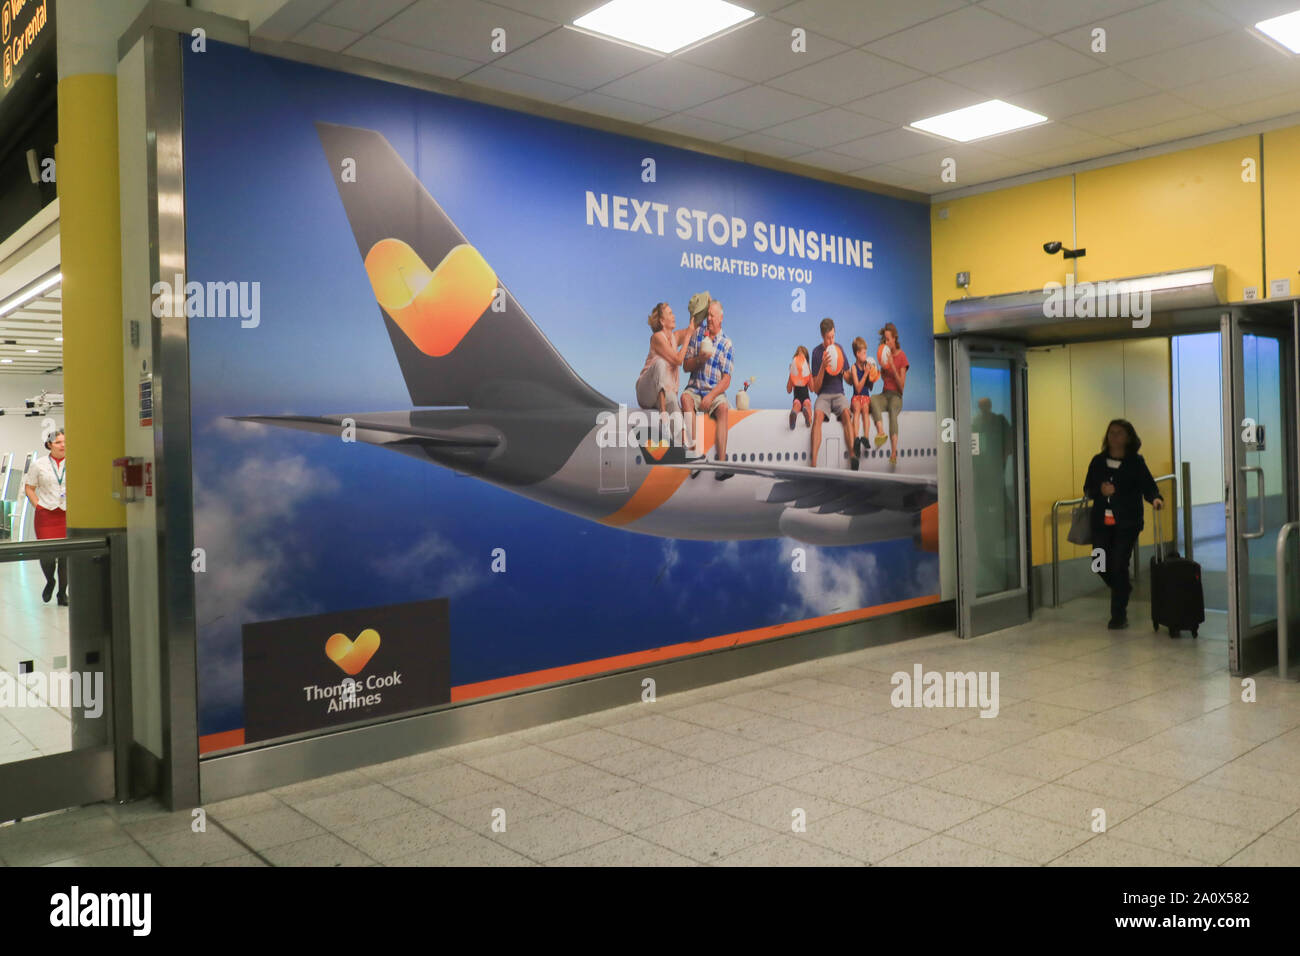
(1118, 480)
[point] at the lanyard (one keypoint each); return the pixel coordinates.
(59, 473)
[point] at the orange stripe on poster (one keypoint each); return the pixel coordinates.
(661, 483)
(222, 741)
(656, 655)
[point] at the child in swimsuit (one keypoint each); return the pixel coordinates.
(797, 385)
(862, 376)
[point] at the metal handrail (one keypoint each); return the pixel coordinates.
(1282, 534)
(1056, 547)
(51, 548)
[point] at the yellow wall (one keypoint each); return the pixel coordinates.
(998, 238)
(1074, 391)
(1175, 211)
(1282, 205)
(86, 160)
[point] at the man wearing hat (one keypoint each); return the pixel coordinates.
(709, 359)
(697, 308)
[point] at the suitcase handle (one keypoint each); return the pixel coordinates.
(1160, 535)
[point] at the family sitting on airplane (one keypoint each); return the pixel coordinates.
(827, 370)
(707, 354)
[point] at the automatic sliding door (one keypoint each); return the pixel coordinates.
(988, 392)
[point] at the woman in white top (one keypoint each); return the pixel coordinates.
(656, 386)
(47, 490)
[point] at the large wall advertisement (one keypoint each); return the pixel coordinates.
(421, 470)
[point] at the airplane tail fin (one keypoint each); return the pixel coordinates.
(459, 335)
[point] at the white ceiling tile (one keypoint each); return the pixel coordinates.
(887, 147)
(362, 15)
(1032, 65)
(557, 11)
(892, 176)
(1274, 79)
(576, 59)
(1150, 29)
(964, 36)
(1204, 60)
(689, 125)
(495, 78)
(1172, 130)
(411, 57)
(463, 28)
(848, 21)
(827, 159)
(820, 130)
(325, 37)
(1250, 12)
(847, 76)
(756, 107)
(1036, 139)
(767, 145)
(612, 106)
(1109, 120)
(760, 50)
(673, 85)
(1088, 92)
(1053, 16)
(917, 100)
(1077, 153)
(1283, 104)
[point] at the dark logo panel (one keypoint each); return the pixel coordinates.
(325, 670)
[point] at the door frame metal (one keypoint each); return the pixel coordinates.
(1253, 649)
(980, 615)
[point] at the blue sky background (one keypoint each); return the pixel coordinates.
(296, 523)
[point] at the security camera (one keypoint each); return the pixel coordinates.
(1052, 248)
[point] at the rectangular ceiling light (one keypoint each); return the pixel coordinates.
(978, 121)
(1284, 29)
(663, 25)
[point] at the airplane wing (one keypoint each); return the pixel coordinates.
(834, 490)
(386, 432)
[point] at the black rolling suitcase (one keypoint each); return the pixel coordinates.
(1177, 600)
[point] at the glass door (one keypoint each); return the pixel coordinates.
(1259, 463)
(991, 494)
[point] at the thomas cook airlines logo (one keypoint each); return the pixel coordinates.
(437, 307)
(352, 656)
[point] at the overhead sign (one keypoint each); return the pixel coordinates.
(26, 29)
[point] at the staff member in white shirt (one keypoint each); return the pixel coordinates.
(47, 489)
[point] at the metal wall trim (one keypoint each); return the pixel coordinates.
(281, 764)
(173, 478)
(70, 779)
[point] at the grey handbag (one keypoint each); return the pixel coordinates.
(1080, 524)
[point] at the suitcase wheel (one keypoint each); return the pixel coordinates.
(1174, 633)
(1194, 634)
(1155, 626)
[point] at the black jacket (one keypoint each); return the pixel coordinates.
(1133, 482)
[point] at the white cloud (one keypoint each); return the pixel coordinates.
(431, 559)
(835, 580)
(243, 521)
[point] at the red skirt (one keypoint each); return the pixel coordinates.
(51, 522)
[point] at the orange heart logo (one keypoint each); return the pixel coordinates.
(352, 656)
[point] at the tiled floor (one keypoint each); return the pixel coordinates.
(31, 630)
(1150, 732)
